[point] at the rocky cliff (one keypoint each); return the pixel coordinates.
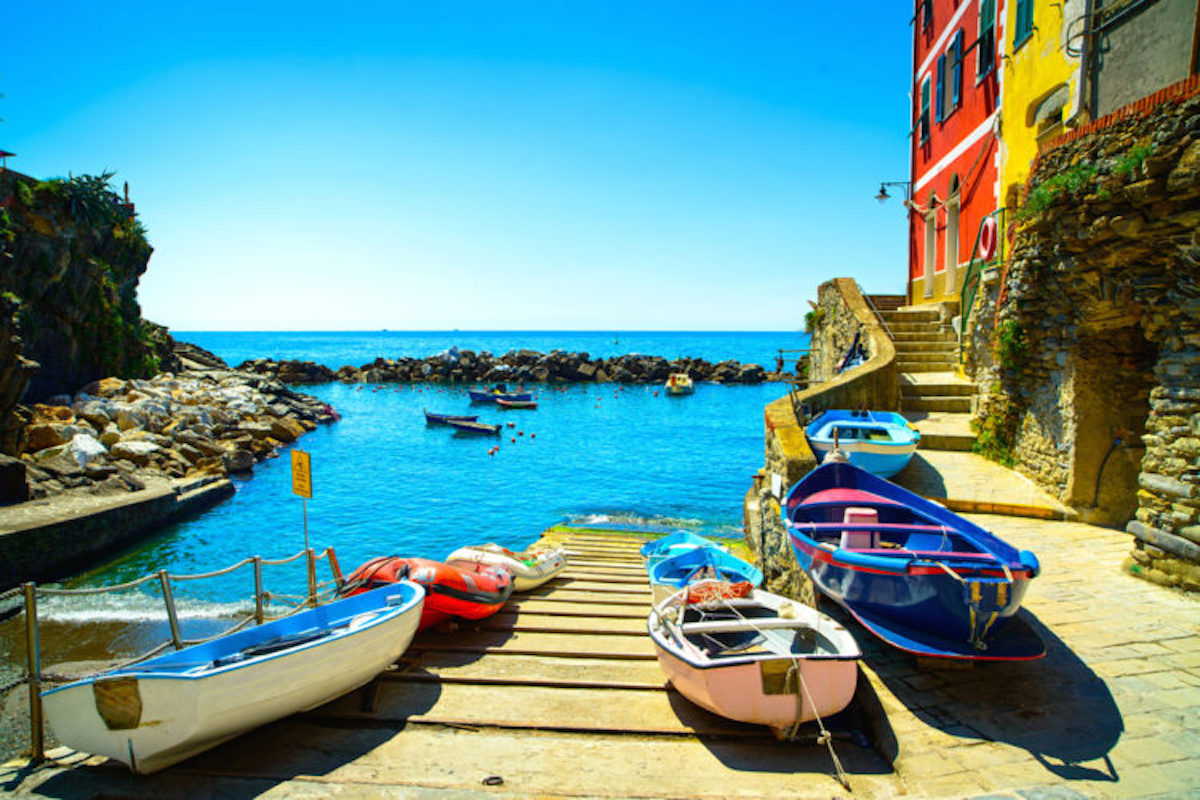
(72, 254)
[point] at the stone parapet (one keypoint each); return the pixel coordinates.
(841, 317)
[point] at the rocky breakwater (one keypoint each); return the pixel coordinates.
(515, 366)
(115, 434)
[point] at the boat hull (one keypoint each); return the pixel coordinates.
(918, 576)
(529, 571)
(880, 442)
(755, 685)
(672, 574)
(150, 719)
(673, 545)
(466, 590)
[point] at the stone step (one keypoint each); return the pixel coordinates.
(887, 302)
(911, 315)
(924, 328)
(949, 359)
(926, 347)
(943, 431)
(924, 334)
(914, 367)
(931, 385)
(958, 405)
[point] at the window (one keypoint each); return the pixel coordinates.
(1023, 28)
(939, 105)
(926, 13)
(985, 59)
(956, 70)
(923, 122)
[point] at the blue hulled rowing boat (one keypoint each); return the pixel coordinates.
(915, 574)
(672, 574)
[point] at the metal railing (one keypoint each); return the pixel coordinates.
(318, 592)
(975, 267)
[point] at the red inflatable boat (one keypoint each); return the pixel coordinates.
(472, 591)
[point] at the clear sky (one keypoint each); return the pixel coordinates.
(478, 165)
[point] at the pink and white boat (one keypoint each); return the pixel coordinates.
(758, 658)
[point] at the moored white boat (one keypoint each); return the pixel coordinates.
(529, 570)
(679, 383)
(162, 711)
(758, 658)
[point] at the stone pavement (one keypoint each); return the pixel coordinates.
(1113, 710)
(969, 482)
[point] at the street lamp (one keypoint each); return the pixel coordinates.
(883, 195)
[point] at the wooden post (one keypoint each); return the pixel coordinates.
(37, 740)
(169, 599)
(258, 591)
(312, 577)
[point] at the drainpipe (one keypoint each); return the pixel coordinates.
(1084, 54)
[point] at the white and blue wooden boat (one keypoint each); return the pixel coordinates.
(675, 544)
(159, 712)
(881, 442)
(915, 574)
(444, 419)
(757, 658)
(672, 574)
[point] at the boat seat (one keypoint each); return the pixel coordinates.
(735, 625)
(860, 539)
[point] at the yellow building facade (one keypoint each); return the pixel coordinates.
(1044, 45)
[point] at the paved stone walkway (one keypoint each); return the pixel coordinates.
(973, 483)
(1113, 710)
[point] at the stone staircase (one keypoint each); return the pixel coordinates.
(932, 395)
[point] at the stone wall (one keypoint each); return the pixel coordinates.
(1093, 362)
(840, 316)
(788, 458)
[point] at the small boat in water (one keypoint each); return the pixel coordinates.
(752, 656)
(504, 402)
(529, 569)
(672, 574)
(674, 544)
(471, 426)
(881, 442)
(159, 712)
(679, 383)
(467, 590)
(498, 392)
(915, 574)
(444, 419)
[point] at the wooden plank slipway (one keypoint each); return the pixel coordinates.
(558, 694)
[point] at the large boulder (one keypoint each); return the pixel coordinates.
(137, 451)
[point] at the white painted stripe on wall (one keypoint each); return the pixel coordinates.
(960, 148)
(941, 42)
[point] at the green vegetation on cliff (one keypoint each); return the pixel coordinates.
(74, 253)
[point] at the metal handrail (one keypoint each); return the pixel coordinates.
(974, 268)
(34, 677)
(882, 322)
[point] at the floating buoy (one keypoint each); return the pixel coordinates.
(510, 424)
(514, 440)
(656, 393)
(533, 436)
(520, 433)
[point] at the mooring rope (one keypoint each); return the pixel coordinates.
(825, 737)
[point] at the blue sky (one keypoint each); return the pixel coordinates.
(516, 165)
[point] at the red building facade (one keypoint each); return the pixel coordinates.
(955, 139)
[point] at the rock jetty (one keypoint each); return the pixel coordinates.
(115, 433)
(515, 366)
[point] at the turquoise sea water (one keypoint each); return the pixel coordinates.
(385, 483)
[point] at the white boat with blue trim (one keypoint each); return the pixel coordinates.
(881, 442)
(164, 710)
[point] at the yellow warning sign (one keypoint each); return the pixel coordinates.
(301, 474)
